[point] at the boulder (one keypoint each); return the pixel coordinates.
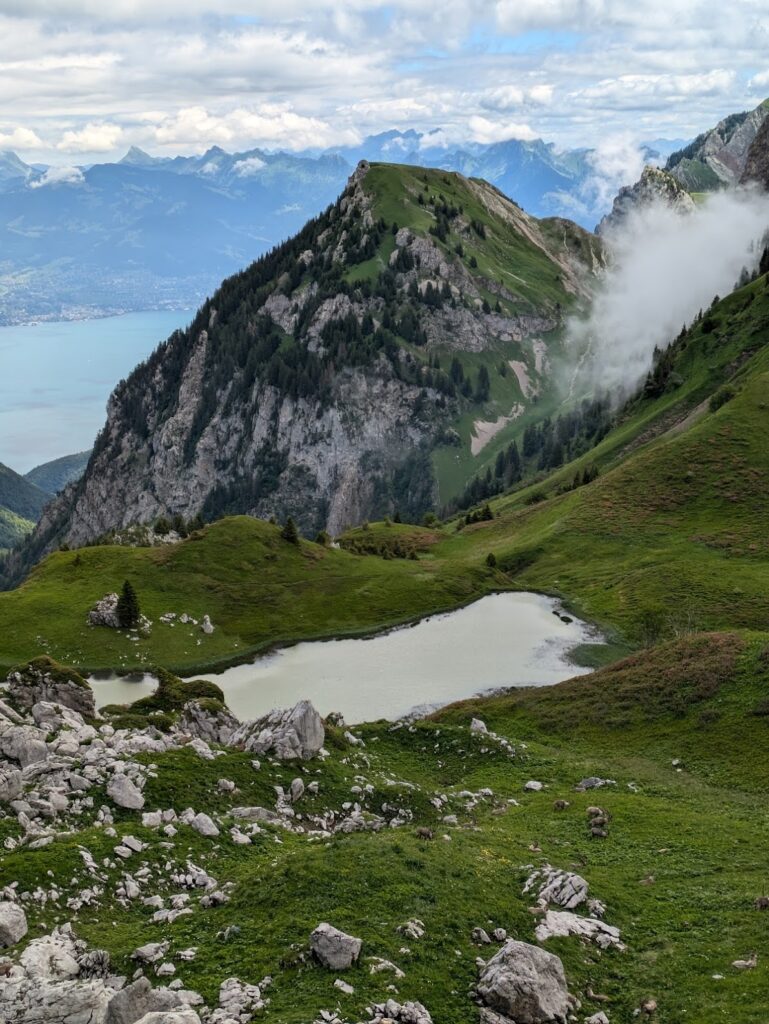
(207, 626)
(207, 721)
(286, 734)
(10, 785)
(13, 923)
(125, 793)
(138, 999)
(333, 948)
(43, 679)
(204, 825)
(23, 743)
(525, 984)
(104, 612)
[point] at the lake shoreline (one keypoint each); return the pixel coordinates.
(507, 638)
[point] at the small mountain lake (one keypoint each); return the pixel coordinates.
(499, 641)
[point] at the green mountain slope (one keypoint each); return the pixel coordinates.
(21, 503)
(20, 496)
(54, 476)
(667, 539)
(13, 528)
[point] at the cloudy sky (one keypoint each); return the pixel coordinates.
(174, 76)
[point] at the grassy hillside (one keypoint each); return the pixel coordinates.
(54, 476)
(258, 589)
(19, 496)
(679, 870)
(20, 505)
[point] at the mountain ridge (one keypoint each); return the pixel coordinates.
(318, 382)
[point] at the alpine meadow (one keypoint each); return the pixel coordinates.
(398, 650)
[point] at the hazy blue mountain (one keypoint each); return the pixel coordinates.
(55, 475)
(146, 233)
(12, 169)
(161, 232)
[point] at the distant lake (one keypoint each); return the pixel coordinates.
(55, 379)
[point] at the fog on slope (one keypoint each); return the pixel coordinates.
(665, 267)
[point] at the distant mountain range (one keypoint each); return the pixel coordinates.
(160, 232)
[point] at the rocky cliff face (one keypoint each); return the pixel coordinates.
(311, 383)
(718, 158)
(757, 164)
(654, 185)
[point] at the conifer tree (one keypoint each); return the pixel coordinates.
(290, 532)
(128, 612)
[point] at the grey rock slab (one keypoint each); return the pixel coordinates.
(526, 984)
(334, 949)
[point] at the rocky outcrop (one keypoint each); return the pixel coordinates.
(286, 734)
(44, 680)
(720, 157)
(104, 612)
(207, 720)
(526, 985)
(564, 888)
(334, 949)
(654, 186)
(13, 924)
(57, 978)
(560, 923)
(756, 169)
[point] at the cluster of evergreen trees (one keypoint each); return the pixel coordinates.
(550, 443)
(546, 446)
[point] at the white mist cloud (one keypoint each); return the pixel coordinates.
(251, 165)
(666, 266)
(59, 176)
(92, 138)
(19, 138)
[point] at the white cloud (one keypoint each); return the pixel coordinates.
(616, 161)
(19, 138)
(296, 74)
(666, 267)
(485, 131)
(92, 138)
(59, 176)
(269, 125)
(251, 165)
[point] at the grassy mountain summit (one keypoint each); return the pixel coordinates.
(378, 359)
